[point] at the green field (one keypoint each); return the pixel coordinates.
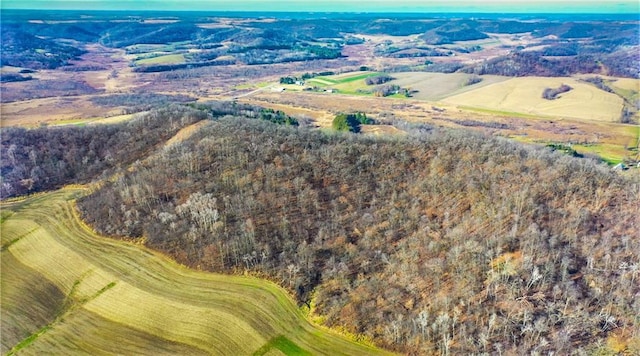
(251, 85)
(344, 77)
(620, 145)
(66, 290)
(428, 86)
(616, 152)
(163, 59)
(346, 83)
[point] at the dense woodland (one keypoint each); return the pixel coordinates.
(437, 241)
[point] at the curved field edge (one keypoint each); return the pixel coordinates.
(132, 292)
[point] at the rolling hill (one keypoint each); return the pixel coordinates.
(415, 241)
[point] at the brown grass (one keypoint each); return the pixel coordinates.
(185, 133)
(32, 113)
(381, 130)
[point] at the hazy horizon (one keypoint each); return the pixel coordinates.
(466, 6)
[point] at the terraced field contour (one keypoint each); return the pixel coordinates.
(66, 290)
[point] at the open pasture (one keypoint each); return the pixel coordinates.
(524, 96)
(67, 290)
(351, 76)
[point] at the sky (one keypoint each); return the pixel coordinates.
(480, 6)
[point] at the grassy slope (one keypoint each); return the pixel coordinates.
(92, 291)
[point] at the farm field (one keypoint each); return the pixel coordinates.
(498, 94)
(626, 84)
(524, 95)
(162, 59)
(66, 289)
(347, 83)
(437, 86)
(629, 89)
(93, 121)
(610, 140)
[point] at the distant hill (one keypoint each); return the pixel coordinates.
(22, 49)
(453, 32)
(589, 46)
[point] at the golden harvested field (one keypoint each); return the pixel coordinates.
(524, 95)
(627, 84)
(66, 290)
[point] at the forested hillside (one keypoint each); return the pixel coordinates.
(433, 242)
(48, 158)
